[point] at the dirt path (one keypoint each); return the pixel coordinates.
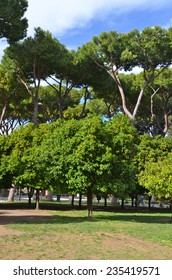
(12, 216)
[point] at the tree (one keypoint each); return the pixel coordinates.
(75, 155)
(113, 52)
(124, 147)
(18, 162)
(91, 162)
(157, 177)
(161, 102)
(5, 175)
(89, 156)
(13, 25)
(35, 60)
(14, 104)
(150, 150)
(65, 79)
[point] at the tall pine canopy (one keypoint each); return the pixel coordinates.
(13, 24)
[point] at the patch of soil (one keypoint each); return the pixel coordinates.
(13, 216)
(134, 246)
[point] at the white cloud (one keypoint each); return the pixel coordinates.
(59, 16)
(168, 24)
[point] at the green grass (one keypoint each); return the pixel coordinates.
(71, 235)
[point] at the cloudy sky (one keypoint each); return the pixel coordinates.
(75, 22)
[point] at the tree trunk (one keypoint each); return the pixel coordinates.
(30, 200)
(166, 123)
(149, 201)
(58, 197)
(37, 199)
(11, 193)
(80, 200)
(30, 192)
(2, 114)
(131, 115)
(90, 202)
(122, 203)
(136, 202)
(105, 198)
(35, 114)
(86, 96)
(72, 201)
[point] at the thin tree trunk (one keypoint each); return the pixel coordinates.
(149, 201)
(90, 202)
(86, 96)
(105, 198)
(11, 193)
(122, 203)
(80, 200)
(30, 192)
(37, 199)
(136, 202)
(2, 114)
(72, 201)
(166, 123)
(35, 114)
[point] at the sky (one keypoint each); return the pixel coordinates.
(75, 22)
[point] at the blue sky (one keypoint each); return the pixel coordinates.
(75, 22)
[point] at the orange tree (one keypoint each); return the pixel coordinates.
(18, 165)
(152, 154)
(89, 155)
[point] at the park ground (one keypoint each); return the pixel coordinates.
(67, 234)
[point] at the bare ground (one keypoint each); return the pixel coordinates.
(13, 216)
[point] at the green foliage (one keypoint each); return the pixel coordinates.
(124, 140)
(83, 151)
(157, 177)
(96, 66)
(91, 160)
(153, 48)
(151, 161)
(18, 164)
(12, 24)
(75, 154)
(36, 57)
(14, 105)
(89, 153)
(112, 52)
(152, 149)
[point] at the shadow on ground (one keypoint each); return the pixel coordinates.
(64, 219)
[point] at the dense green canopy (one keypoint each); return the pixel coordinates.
(13, 24)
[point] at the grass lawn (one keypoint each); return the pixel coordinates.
(71, 235)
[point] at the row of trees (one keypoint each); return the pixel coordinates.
(88, 156)
(92, 79)
(86, 110)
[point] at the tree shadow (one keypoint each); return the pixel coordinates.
(65, 219)
(150, 219)
(29, 219)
